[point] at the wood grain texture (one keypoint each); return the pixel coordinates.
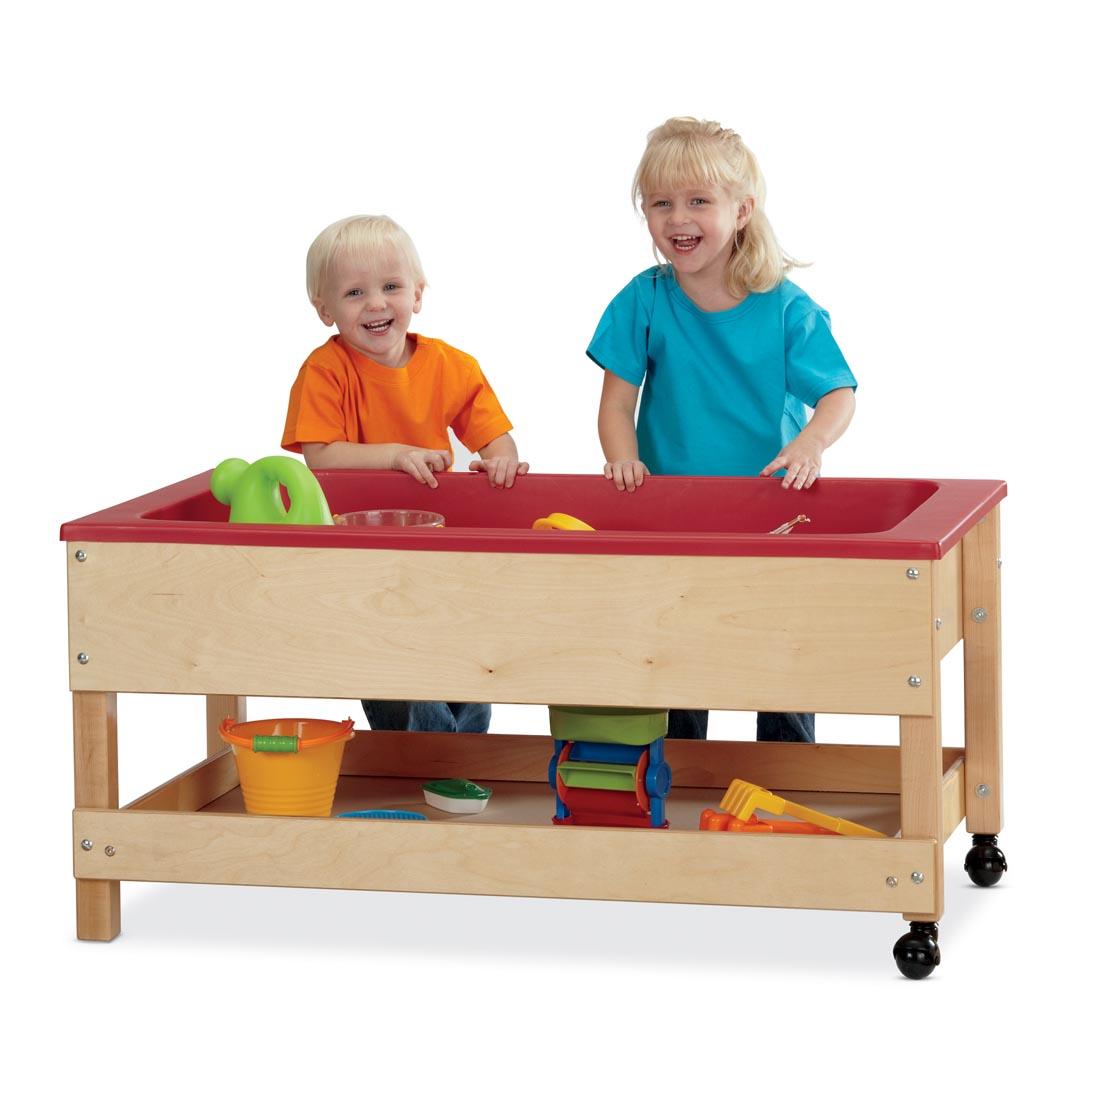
(737, 633)
(982, 674)
(95, 772)
(517, 860)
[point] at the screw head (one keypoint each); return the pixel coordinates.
(912, 574)
(914, 681)
(917, 877)
(939, 624)
(979, 614)
(80, 556)
(982, 790)
(86, 845)
(109, 850)
(891, 882)
(83, 658)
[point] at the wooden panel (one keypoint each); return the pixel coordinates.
(954, 802)
(194, 788)
(526, 861)
(95, 772)
(982, 673)
(947, 582)
(218, 708)
(498, 756)
(736, 633)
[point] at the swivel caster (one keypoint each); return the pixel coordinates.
(917, 953)
(985, 862)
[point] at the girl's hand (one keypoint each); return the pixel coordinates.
(802, 458)
(422, 465)
(502, 471)
(626, 475)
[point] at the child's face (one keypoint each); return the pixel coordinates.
(371, 302)
(694, 227)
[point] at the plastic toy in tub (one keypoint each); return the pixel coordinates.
(254, 491)
(389, 517)
(560, 521)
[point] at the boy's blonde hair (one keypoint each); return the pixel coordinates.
(687, 151)
(360, 237)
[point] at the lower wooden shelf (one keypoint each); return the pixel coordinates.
(194, 829)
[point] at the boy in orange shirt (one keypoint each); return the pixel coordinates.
(377, 396)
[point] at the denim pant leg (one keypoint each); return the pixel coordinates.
(785, 727)
(470, 717)
(688, 725)
(393, 714)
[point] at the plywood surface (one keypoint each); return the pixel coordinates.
(811, 634)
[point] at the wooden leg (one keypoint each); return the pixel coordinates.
(982, 674)
(217, 708)
(95, 759)
(922, 793)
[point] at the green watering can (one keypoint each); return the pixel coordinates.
(253, 495)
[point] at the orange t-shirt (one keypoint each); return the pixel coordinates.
(341, 395)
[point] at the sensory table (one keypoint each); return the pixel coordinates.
(679, 597)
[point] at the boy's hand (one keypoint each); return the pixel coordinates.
(501, 471)
(422, 465)
(802, 458)
(626, 475)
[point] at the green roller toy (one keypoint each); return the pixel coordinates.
(253, 493)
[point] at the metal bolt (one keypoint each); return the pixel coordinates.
(912, 574)
(939, 624)
(86, 845)
(982, 790)
(914, 681)
(917, 877)
(83, 658)
(979, 614)
(998, 563)
(81, 556)
(109, 850)
(891, 882)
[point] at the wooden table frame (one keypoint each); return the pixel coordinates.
(859, 636)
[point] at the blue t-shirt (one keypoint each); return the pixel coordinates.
(724, 392)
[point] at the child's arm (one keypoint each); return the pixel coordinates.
(802, 456)
(618, 436)
(418, 462)
(500, 460)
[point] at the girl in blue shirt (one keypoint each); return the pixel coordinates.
(730, 351)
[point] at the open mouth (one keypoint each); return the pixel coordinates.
(684, 243)
(376, 327)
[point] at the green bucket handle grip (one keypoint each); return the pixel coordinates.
(274, 744)
(279, 743)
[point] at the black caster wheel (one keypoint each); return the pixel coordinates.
(985, 862)
(917, 953)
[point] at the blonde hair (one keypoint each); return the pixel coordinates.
(361, 237)
(683, 152)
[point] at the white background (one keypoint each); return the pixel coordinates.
(166, 168)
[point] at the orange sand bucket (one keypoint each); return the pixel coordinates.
(288, 766)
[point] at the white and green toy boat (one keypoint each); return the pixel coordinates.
(456, 796)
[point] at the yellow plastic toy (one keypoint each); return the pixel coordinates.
(743, 797)
(559, 521)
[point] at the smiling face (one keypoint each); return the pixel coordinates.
(694, 229)
(371, 301)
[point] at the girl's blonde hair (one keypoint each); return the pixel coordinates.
(686, 152)
(361, 237)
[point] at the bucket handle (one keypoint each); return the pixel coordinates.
(268, 743)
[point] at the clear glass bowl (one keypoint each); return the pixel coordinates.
(389, 517)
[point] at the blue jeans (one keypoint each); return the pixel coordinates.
(691, 725)
(392, 714)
